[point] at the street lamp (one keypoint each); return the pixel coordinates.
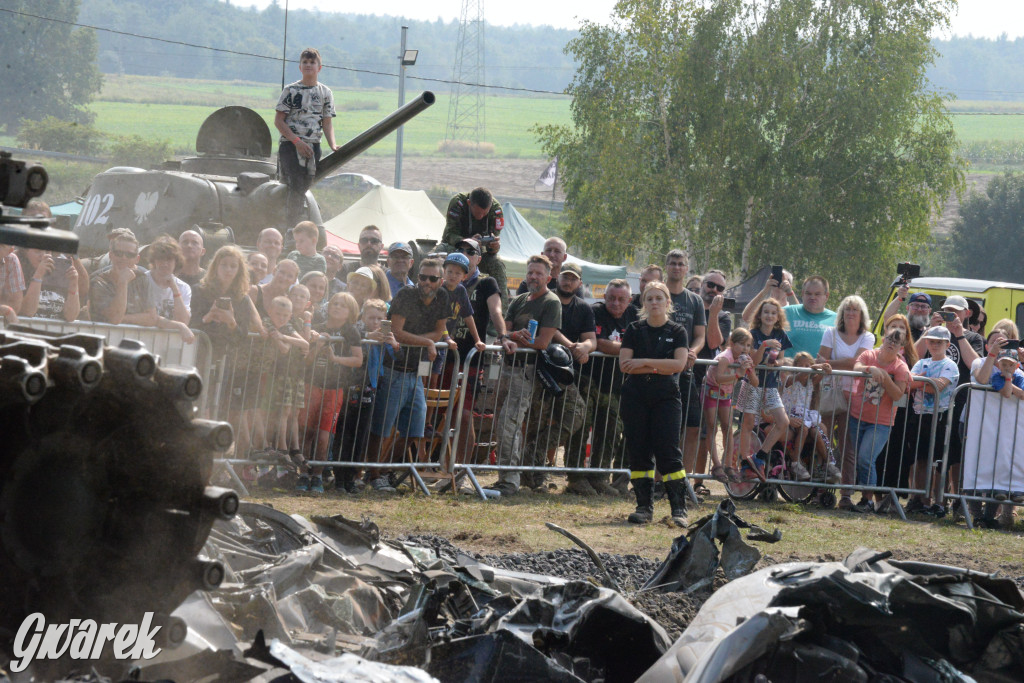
(406, 58)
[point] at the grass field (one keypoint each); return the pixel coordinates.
(517, 525)
(173, 109)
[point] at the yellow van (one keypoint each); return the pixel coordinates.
(998, 299)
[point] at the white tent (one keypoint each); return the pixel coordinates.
(401, 215)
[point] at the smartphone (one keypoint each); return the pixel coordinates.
(777, 274)
(1012, 344)
(385, 327)
(728, 304)
(223, 302)
(948, 316)
(62, 261)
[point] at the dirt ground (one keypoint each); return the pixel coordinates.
(504, 177)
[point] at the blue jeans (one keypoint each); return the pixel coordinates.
(868, 440)
(400, 400)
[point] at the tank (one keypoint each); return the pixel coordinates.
(229, 189)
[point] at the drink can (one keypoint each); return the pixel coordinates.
(531, 327)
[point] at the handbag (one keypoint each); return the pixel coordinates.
(831, 398)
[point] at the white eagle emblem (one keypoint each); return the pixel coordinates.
(144, 205)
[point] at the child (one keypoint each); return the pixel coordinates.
(770, 340)
(353, 425)
(283, 362)
(305, 235)
(716, 398)
(456, 269)
(1009, 381)
(316, 283)
(330, 363)
(304, 109)
(944, 371)
(797, 397)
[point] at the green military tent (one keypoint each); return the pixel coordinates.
(520, 241)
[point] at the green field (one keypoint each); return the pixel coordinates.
(173, 109)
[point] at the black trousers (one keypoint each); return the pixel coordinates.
(297, 178)
(652, 415)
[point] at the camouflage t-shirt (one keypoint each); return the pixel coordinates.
(306, 107)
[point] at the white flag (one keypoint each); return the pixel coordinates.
(546, 181)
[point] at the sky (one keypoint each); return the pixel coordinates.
(980, 18)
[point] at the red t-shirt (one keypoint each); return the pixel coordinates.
(870, 402)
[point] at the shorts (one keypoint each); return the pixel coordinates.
(809, 417)
(282, 392)
(322, 407)
(438, 365)
(712, 398)
(690, 397)
(757, 399)
(400, 403)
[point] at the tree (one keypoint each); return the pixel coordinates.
(988, 232)
(786, 131)
(49, 65)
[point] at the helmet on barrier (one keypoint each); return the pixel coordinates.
(554, 368)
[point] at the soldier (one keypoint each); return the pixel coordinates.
(478, 215)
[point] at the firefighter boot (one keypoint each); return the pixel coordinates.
(675, 491)
(643, 488)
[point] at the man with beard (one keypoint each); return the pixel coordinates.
(556, 251)
(370, 241)
(518, 383)
(919, 310)
(719, 328)
(600, 382)
(576, 334)
(688, 312)
(418, 317)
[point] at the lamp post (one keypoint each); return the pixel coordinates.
(406, 58)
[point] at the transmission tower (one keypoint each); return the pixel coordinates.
(466, 120)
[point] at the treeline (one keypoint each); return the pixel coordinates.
(980, 68)
(357, 49)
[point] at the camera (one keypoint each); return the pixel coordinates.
(948, 316)
(486, 239)
(223, 302)
(907, 272)
(728, 304)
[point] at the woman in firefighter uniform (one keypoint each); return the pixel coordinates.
(654, 351)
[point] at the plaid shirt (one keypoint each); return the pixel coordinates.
(11, 278)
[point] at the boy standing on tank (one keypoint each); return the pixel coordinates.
(304, 109)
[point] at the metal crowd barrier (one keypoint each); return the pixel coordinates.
(167, 345)
(285, 403)
(991, 467)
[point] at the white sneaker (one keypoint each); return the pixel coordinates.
(799, 472)
(832, 474)
(383, 484)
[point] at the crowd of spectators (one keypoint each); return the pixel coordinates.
(319, 358)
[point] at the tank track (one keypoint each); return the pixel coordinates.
(104, 503)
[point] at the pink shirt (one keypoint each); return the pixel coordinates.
(870, 402)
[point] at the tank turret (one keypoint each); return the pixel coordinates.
(229, 189)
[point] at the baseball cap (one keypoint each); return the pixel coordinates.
(940, 333)
(1009, 354)
(573, 268)
(469, 241)
(955, 302)
(400, 246)
(920, 298)
(457, 259)
(362, 270)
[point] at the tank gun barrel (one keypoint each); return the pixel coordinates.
(372, 135)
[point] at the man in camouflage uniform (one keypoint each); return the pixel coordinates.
(477, 215)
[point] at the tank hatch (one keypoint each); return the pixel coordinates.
(236, 132)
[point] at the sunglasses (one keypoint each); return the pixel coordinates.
(124, 254)
(370, 240)
(468, 251)
(715, 286)
(430, 278)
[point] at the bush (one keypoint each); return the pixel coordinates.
(135, 150)
(465, 148)
(56, 135)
